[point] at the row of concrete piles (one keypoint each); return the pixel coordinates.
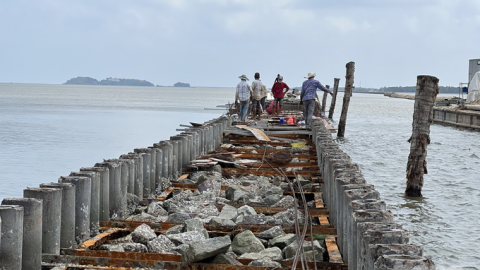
(64, 214)
(367, 236)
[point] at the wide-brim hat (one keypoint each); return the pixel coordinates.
(310, 75)
(243, 77)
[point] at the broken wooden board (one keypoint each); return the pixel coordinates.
(256, 132)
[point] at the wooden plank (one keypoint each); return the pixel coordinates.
(332, 248)
(271, 172)
(182, 177)
(168, 191)
(256, 132)
(318, 200)
(323, 220)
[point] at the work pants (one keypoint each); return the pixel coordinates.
(309, 106)
(243, 110)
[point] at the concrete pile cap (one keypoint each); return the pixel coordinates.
(128, 156)
(93, 169)
(142, 150)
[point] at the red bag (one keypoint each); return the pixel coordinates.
(270, 108)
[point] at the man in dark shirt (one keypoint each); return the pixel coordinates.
(278, 94)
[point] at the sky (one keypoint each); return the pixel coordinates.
(212, 42)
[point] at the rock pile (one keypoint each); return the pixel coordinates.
(209, 205)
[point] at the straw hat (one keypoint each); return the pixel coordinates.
(243, 77)
(311, 75)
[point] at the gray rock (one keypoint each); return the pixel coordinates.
(183, 195)
(235, 193)
(210, 185)
(246, 210)
(193, 224)
(227, 258)
(264, 242)
(239, 219)
(309, 256)
(176, 229)
(221, 200)
(254, 219)
(178, 217)
(271, 233)
(144, 217)
(215, 168)
(282, 241)
(246, 242)
(186, 237)
(142, 234)
(207, 211)
(206, 197)
(273, 253)
(271, 190)
(132, 203)
(161, 244)
(108, 247)
(181, 249)
(264, 181)
(140, 209)
(134, 247)
(291, 249)
(155, 209)
(285, 203)
(228, 212)
(272, 199)
(288, 217)
(207, 248)
(270, 220)
(121, 240)
(216, 221)
(265, 263)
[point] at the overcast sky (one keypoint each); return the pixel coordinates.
(212, 42)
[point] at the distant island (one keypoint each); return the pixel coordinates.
(108, 81)
(179, 84)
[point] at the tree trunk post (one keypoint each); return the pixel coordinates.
(427, 90)
(334, 98)
(324, 101)
(346, 98)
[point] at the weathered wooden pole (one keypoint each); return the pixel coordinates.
(324, 101)
(334, 98)
(427, 90)
(346, 98)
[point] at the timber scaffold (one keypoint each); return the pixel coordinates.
(95, 209)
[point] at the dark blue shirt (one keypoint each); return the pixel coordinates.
(309, 88)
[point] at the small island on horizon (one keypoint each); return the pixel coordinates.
(108, 81)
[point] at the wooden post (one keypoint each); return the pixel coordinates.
(324, 101)
(346, 98)
(334, 98)
(427, 90)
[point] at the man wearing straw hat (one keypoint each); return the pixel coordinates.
(243, 94)
(307, 96)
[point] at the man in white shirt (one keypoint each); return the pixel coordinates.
(256, 96)
(243, 94)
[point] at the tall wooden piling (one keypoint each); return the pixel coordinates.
(334, 97)
(346, 98)
(12, 238)
(32, 231)
(324, 101)
(426, 93)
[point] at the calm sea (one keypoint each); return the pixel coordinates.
(47, 131)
